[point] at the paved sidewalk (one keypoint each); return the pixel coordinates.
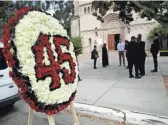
(18, 115)
(110, 87)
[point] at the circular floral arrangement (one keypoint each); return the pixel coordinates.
(41, 60)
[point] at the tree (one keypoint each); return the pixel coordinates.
(9, 8)
(5, 13)
(64, 13)
(77, 42)
(62, 10)
(157, 10)
(163, 35)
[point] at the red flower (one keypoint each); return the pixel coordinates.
(5, 38)
(44, 38)
(11, 63)
(23, 10)
(33, 105)
(48, 112)
(9, 56)
(24, 90)
(11, 74)
(6, 30)
(7, 45)
(12, 20)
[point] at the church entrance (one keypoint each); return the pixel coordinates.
(117, 38)
(111, 44)
(113, 40)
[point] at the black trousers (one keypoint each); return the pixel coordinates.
(127, 58)
(95, 61)
(141, 65)
(155, 61)
(130, 66)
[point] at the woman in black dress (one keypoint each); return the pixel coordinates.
(105, 61)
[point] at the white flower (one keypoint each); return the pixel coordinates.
(26, 34)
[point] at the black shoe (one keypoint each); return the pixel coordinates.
(154, 70)
(104, 66)
(80, 80)
(137, 77)
(131, 76)
(119, 65)
(95, 67)
(127, 67)
(143, 74)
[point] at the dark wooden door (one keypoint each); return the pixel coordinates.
(111, 42)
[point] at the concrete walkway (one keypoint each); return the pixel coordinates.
(110, 87)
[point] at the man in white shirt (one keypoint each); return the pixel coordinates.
(121, 51)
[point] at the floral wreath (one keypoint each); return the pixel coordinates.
(41, 60)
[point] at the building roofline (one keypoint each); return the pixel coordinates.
(84, 4)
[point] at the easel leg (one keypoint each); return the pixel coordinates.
(51, 120)
(30, 119)
(75, 117)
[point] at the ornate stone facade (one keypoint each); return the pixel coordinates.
(93, 32)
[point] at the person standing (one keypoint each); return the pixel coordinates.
(154, 50)
(126, 50)
(141, 54)
(121, 50)
(132, 58)
(105, 61)
(95, 55)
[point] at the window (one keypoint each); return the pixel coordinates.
(92, 9)
(3, 64)
(88, 9)
(129, 30)
(90, 44)
(85, 10)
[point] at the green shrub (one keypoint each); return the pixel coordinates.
(163, 36)
(77, 42)
(162, 31)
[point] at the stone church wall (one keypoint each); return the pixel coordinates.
(86, 23)
(75, 26)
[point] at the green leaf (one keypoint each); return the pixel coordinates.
(77, 42)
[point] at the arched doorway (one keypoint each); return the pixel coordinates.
(112, 28)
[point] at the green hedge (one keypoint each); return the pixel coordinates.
(77, 42)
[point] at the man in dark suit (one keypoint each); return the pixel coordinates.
(95, 55)
(132, 57)
(154, 50)
(141, 54)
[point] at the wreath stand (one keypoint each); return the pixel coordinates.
(51, 117)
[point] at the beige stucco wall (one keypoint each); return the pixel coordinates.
(75, 27)
(144, 29)
(89, 22)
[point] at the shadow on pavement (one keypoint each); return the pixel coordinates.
(7, 110)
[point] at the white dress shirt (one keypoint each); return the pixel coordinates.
(121, 46)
